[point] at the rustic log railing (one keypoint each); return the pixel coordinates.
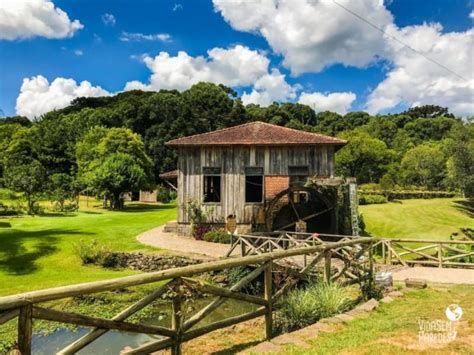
(356, 265)
(440, 253)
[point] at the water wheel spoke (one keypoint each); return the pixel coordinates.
(313, 215)
(290, 197)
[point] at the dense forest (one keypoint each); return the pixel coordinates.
(108, 145)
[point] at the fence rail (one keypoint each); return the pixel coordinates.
(356, 265)
(440, 253)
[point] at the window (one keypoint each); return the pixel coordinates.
(253, 184)
(298, 175)
(212, 184)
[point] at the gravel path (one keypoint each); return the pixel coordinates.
(182, 245)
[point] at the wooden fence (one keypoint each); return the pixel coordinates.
(440, 253)
(356, 265)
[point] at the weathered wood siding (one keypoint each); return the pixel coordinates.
(233, 160)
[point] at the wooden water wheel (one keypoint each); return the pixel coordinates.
(301, 204)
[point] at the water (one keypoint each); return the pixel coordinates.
(114, 341)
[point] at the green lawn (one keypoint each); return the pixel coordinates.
(393, 328)
(418, 218)
(38, 252)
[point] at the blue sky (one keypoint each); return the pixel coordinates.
(96, 53)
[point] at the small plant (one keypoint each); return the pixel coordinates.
(302, 307)
(236, 274)
(91, 252)
(218, 236)
(198, 217)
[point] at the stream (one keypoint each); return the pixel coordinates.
(114, 341)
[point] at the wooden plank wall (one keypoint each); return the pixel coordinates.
(233, 160)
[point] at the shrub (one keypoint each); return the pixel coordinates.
(302, 307)
(11, 210)
(7, 194)
(163, 194)
(200, 230)
(218, 236)
(92, 252)
(372, 199)
(236, 274)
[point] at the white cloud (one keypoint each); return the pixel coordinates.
(138, 37)
(79, 52)
(312, 34)
(236, 66)
(270, 88)
(109, 19)
(20, 19)
(177, 7)
(471, 15)
(38, 96)
(339, 102)
(415, 80)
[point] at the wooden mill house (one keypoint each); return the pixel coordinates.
(239, 172)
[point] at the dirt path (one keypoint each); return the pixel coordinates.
(182, 245)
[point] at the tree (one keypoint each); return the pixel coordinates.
(428, 111)
(30, 179)
(364, 157)
(103, 156)
(118, 173)
(424, 166)
(63, 188)
(461, 163)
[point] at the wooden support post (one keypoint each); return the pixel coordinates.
(384, 257)
(176, 321)
(25, 329)
(440, 255)
(371, 261)
(389, 255)
(327, 266)
(268, 297)
(242, 247)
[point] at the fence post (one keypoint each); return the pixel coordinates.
(440, 255)
(268, 297)
(384, 257)
(327, 266)
(389, 253)
(176, 320)
(242, 247)
(371, 260)
(25, 329)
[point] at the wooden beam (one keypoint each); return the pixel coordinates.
(268, 297)
(14, 301)
(97, 332)
(216, 303)
(25, 329)
(86, 321)
(9, 315)
(223, 292)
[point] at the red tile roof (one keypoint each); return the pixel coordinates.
(256, 133)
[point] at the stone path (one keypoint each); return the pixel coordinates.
(435, 275)
(182, 245)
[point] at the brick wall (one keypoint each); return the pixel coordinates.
(275, 184)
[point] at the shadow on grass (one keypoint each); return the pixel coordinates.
(141, 207)
(21, 249)
(234, 349)
(5, 225)
(465, 206)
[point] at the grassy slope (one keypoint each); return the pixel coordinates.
(393, 328)
(417, 219)
(38, 252)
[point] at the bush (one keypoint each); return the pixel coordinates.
(11, 210)
(92, 252)
(164, 194)
(218, 236)
(7, 194)
(302, 307)
(200, 230)
(372, 199)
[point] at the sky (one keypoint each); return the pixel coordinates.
(340, 55)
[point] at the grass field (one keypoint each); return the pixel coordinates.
(38, 252)
(393, 328)
(418, 218)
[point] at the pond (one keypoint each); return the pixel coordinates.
(114, 341)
